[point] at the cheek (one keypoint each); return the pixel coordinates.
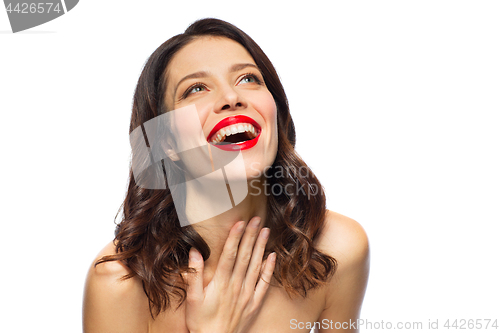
(272, 119)
(266, 106)
(186, 132)
(203, 110)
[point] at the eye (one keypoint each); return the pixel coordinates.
(250, 78)
(197, 87)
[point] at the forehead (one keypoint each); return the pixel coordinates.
(206, 53)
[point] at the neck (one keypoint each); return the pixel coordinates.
(215, 230)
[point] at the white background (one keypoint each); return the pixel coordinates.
(396, 105)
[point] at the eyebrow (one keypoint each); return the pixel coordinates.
(202, 74)
(239, 67)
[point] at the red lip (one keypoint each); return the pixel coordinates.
(231, 121)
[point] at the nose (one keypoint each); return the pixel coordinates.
(230, 100)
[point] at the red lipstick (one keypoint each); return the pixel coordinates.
(231, 121)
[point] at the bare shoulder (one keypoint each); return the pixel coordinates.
(343, 238)
(113, 304)
(107, 270)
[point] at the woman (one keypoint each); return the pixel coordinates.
(220, 116)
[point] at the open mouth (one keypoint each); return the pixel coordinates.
(235, 133)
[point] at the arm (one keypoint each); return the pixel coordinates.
(111, 305)
(346, 241)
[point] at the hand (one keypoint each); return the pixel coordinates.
(230, 302)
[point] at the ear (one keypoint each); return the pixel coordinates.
(169, 151)
(172, 154)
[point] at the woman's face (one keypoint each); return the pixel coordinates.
(236, 110)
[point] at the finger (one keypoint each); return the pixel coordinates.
(254, 269)
(229, 253)
(262, 268)
(195, 280)
(265, 279)
(246, 249)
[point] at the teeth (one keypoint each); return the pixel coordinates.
(231, 130)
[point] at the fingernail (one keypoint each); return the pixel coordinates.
(256, 222)
(241, 226)
(195, 255)
(265, 233)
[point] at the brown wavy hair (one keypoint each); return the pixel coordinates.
(150, 240)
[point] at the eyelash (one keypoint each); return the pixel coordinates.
(199, 84)
(252, 75)
(188, 90)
